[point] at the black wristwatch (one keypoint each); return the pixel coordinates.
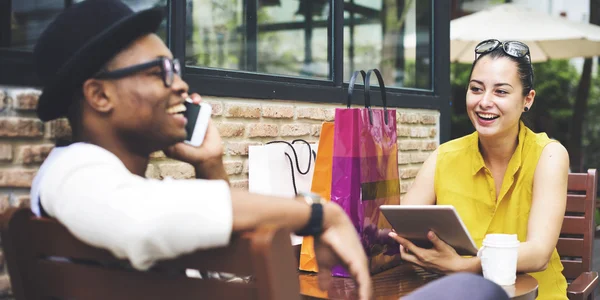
(315, 222)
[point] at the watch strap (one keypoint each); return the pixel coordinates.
(315, 222)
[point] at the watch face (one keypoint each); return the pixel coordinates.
(310, 198)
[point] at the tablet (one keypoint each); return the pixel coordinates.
(414, 221)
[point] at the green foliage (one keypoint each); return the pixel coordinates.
(591, 132)
(459, 80)
(555, 85)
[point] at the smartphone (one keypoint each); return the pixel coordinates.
(197, 116)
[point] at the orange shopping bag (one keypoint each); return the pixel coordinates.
(321, 184)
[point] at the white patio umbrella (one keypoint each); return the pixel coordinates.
(548, 37)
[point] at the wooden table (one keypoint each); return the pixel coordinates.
(397, 282)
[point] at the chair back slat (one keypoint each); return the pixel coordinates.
(46, 261)
(45, 233)
(578, 181)
(572, 268)
(577, 232)
(576, 203)
(569, 246)
(574, 225)
(76, 281)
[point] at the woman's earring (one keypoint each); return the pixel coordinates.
(526, 109)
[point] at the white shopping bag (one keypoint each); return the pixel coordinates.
(281, 169)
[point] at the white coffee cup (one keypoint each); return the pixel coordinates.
(499, 255)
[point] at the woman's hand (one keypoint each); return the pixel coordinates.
(442, 258)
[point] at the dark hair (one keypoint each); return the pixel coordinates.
(73, 115)
(524, 67)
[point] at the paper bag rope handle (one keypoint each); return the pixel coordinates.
(310, 158)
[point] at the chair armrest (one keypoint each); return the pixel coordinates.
(583, 286)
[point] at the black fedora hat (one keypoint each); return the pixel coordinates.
(79, 42)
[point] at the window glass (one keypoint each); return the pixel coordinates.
(284, 37)
(391, 35)
(25, 20)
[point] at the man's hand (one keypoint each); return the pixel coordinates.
(211, 148)
(339, 244)
(206, 159)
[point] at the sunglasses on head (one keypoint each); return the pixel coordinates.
(168, 69)
(512, 48)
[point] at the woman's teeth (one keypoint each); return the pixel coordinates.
(488, 116)
(179, 108)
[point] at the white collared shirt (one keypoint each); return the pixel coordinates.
(91, 192)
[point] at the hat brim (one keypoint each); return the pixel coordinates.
(56, 96)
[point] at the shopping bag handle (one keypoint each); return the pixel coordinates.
(314, 154)
(368, 94)
(351, 85)
(310, 158)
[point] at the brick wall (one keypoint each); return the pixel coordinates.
(25, 141)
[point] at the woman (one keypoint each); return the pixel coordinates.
(503, 178)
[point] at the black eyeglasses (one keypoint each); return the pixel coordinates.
(168, 69)
(512, 48)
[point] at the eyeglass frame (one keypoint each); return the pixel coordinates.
(168, 69)
(500, 44)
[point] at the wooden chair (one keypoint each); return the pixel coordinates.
(575, 245)
(31, 245)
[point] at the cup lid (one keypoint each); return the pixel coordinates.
(501, 240)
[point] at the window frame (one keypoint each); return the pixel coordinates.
(18, 69)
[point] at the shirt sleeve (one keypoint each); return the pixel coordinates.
(91, 192)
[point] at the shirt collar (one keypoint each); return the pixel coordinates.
(515, 161)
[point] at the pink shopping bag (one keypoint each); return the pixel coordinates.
(365, 173)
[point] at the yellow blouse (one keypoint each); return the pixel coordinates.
(463, 180)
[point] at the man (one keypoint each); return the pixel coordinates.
(121, 90)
